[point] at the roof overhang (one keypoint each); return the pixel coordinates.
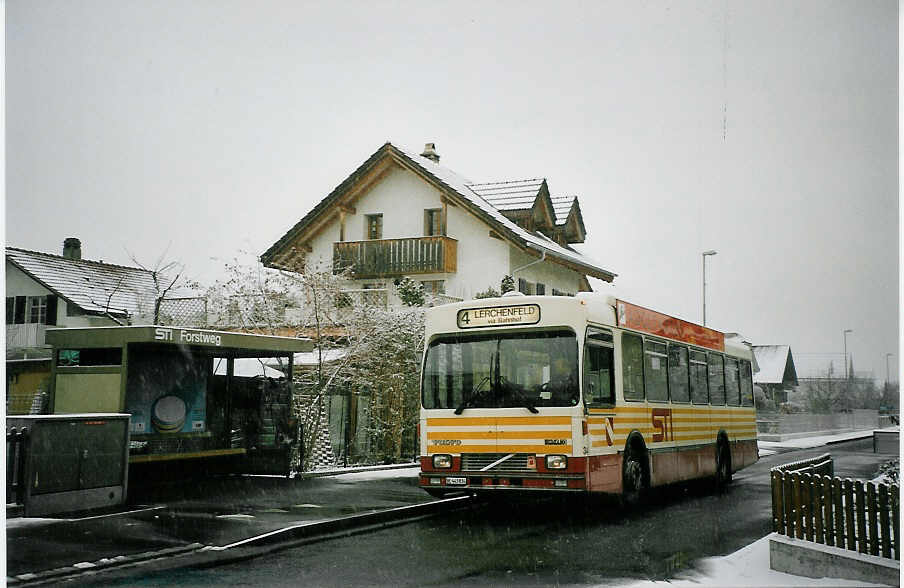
(216, 342)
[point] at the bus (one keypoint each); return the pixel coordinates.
(586, 394)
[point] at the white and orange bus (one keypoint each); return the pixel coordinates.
(586, 394)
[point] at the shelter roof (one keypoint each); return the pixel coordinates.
(93, 286)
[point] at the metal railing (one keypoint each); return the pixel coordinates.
(16, 451)
(850, 514)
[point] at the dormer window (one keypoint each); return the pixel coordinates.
(374, 226)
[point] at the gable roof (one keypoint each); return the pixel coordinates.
(562, 205)
(776, 365)
(89, 284)
(513, 195)
(457, 188)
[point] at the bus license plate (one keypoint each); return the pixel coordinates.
(456, 481)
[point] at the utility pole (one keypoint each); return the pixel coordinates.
(705, 255)
(847, 382)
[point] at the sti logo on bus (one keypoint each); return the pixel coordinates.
(499, 316)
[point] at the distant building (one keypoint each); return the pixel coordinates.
(777, 376)
(401, 214)
(45, 290)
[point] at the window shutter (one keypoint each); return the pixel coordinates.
(10, 309)
(51, 309)
(20, 310)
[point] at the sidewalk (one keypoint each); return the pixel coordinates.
(749, 566)
(770, 447)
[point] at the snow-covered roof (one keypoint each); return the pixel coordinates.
(774, 361)
(562, 206)
(463, 188)
(534, 240)
(248, 367)
(93, 286)
(313, 357)
(512, 195)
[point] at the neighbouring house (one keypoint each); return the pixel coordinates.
(45, 290)
(777, 376)
(402, 214)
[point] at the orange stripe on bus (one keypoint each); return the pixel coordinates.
(493, 421)
(499, 434)
(542, 449)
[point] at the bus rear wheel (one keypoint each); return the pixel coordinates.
(634, 478)
(723, 466)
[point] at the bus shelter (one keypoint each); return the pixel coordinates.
(193, 395)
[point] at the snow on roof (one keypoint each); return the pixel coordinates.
(248, 367)
(772, 360)
(513, 195)
(313, 358)
(93, 286)
(534, 240)
(562, 206)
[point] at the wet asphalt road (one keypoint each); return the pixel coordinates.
(535, 541)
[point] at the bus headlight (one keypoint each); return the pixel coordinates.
(442, 461)
(556, 462)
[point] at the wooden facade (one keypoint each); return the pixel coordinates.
(396, 257)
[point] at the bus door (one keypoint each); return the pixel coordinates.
(599, 400)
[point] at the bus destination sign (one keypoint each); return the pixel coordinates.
(499, 316)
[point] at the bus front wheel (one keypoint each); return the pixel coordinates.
(634, 478)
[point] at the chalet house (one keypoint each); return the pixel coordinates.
(403, 214)
(777, 375)
(45, 290)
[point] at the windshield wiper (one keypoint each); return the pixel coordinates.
(518, 394)
(473, 396)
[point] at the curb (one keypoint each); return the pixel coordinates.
(354, 470)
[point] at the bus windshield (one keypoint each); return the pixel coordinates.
(502, 370)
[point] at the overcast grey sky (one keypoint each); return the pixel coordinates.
(767, 131)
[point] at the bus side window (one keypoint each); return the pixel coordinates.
(656, 379)
(678, 373)
(599, 376)
(716, 379)
(632, 366)
(698, 379)
(746, 384)
(732, 383)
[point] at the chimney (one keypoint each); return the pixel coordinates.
(430, 152)
(72, 248)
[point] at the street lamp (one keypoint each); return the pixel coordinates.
(846, 375)
(705, 254)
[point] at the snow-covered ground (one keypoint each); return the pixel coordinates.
(748, 566)
(809, 442)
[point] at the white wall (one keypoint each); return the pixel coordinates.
(401, 197)
(552, 274)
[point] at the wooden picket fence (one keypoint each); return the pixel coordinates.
(809, 502)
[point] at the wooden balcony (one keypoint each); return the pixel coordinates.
(396, 257)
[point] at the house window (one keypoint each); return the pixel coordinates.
(524, 286)
(374, 227)
(433, 222)
(434, 287)
(37, 310)
(541, 289)
(10, 310)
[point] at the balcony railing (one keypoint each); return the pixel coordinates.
(25, 335)
(396, 257)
